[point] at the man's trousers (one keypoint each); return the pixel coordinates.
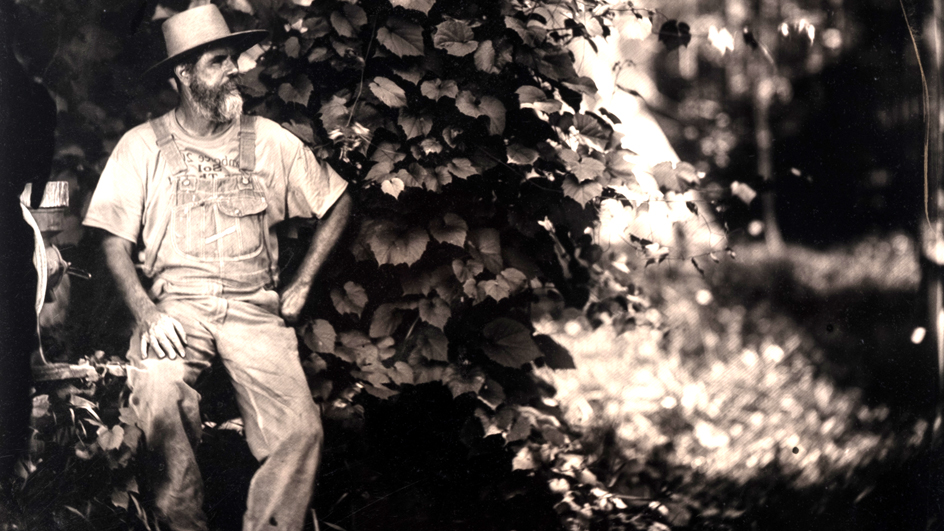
(282, 423)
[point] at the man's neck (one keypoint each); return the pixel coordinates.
(194, 123)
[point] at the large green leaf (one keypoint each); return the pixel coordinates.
(455, 37)
(467, 270)
(423, 6)
(380, 171)
(334, 113)
(348, 20)
(352, 299)
(110, 438)
(618, 167)
(593, 131)
(461, 168)
(491, 57)
(402, 37)
(503, 285)
(437, 88)
(588, 169)
(485, 246)
(388, 92)
(316, 27)
(388, 152)
(518, 154)
(489, 106)
(414, 125)
(296, 92)
(395, 244)
(581, 192)
(533, 97)
(393, 186)
(431, 343)
(387, 317)
(401, 373)
(435, 311)
(555, 356)
(320, 336)
(292, 47)
(462, 380)
(449, 229)
(509, 343)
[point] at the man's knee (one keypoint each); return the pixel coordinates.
(162, 387)
(307, 429)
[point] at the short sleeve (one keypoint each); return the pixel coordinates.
(117, 204)
(313, 186)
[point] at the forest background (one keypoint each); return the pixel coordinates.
(535, 327)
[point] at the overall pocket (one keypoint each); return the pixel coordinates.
(225, 228)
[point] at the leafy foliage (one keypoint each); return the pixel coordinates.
(479, 179)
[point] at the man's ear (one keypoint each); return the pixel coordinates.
(183, 73)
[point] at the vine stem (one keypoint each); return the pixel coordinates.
(360, 86)
(927, 105)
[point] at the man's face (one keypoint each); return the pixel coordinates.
(213, 85)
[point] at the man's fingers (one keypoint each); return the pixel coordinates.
(167, 345)
(177, 344)
(157, 347)
(180, 331)
(144, 345)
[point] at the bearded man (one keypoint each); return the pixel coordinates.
(198, 191)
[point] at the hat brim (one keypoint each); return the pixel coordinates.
(241, 41)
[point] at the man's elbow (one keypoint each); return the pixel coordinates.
(114, 246)
(343, 207)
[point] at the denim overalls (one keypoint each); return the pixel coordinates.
(216, 235)
(215, 274)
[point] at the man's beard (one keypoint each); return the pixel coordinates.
(221, 104)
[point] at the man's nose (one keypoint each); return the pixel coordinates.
(229, 67)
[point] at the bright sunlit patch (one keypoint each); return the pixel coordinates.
(773, 354)
(917, 336)
(703, 297)
(755, 228)
(572, 328)
(721, 39)
(749, 357)
(832, 38)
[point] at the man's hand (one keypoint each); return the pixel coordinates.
(164, 334)
(326, 236)
(292, 300)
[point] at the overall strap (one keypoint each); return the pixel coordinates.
(177, 165)
(247, 143)
(165, 142)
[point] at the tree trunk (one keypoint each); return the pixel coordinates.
(763, 94)
(763, 73)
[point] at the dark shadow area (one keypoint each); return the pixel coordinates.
(896, 493)
(863, 334)
(414, 463)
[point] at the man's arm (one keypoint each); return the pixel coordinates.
(162, 332)
(322, 243)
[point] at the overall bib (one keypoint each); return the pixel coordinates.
(214, 273)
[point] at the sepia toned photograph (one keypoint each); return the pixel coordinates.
(471, 265)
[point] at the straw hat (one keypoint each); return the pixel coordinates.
(198, 29)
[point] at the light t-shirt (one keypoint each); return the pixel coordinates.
(135, 183)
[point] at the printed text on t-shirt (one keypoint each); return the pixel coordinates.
(208, 167)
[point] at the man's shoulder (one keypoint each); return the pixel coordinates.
(140, 139)
(270, 131)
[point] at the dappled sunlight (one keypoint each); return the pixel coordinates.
(729, 419)
(732, 392)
